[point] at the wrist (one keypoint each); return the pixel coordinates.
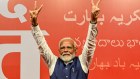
(93, 22)
(93, 18)
(34, 21)
(34, 24)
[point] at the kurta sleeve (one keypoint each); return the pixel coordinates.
(44, 49)
(89, 47)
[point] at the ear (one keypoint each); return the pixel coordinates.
(75, 49)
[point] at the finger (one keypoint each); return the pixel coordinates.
(40, 8)
(35, 6)
(92, 2)
(97, 4)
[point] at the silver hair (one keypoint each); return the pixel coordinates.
(67, 38)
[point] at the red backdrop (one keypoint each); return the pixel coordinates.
(118, 41)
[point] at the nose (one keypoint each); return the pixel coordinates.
(65, 50)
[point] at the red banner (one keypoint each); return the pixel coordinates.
(118, 41)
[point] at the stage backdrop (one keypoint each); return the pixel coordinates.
(117, 55)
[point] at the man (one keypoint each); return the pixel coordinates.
(67, 66)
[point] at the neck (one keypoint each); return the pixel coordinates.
(67, 62)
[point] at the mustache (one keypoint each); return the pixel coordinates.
(66, 53)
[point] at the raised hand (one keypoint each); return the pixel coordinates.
(34, 14)
(95, 11)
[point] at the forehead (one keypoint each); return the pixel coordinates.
(67, 43)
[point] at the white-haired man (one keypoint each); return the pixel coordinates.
(67, 65)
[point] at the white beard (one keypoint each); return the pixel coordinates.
(66, 57)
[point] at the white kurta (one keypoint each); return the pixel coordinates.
(85, 57)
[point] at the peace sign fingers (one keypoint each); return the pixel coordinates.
(97, 4)
(95, 11)
(34, 13)
(35, 7)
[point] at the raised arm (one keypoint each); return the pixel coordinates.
(45, 51)
(90, 44)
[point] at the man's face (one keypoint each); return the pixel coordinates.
(67, 50)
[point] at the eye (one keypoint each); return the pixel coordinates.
(69, 47)
(62, 47)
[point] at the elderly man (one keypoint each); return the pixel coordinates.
(67, 65)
